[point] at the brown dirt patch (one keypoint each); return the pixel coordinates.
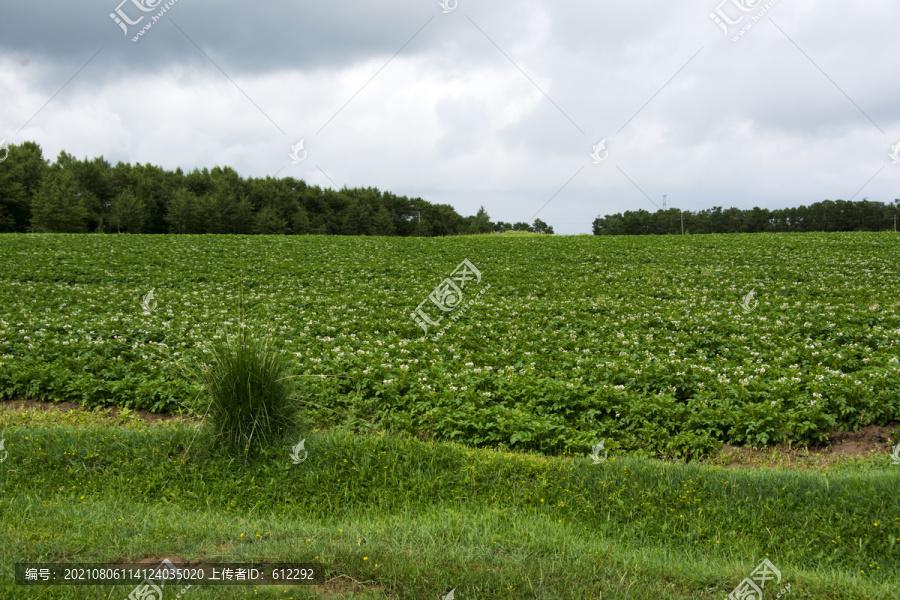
(841, 445)
(859, 443)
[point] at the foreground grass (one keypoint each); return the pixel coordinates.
(391, 517)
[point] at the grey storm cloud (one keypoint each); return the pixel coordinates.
(475, 103)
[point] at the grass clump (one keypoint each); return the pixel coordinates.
(247, 392)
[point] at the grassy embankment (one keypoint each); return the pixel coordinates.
(393, 517)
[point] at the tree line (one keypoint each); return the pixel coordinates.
(81, 196)
(828, 215)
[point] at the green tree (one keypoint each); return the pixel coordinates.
(541, 227)
(155, 187)
(267, 222)
(382, 223)
(522, 226)
(443, 219)
(126, 212)
(93, 180)
(228, 207)
(420, 226)
(352, 223)
(185, 212)
(758, 220)
(481, 222)
(20, 177)
(401, 211)
(57, 207)
(300, 221)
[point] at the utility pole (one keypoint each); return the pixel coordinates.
(682, 222)
(668, 220)
(895, 223)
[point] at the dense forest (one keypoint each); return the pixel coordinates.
(837, 215)
(79, 196)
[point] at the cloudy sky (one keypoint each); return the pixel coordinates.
(501, 103)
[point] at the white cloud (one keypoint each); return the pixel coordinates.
(451, 119)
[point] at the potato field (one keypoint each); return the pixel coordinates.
(667, 345)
